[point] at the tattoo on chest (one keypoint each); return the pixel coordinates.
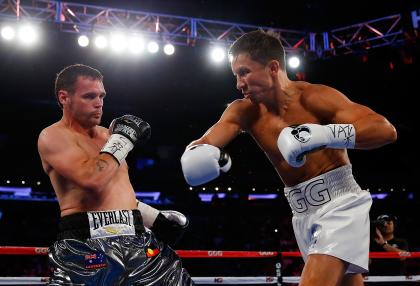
(101, 164)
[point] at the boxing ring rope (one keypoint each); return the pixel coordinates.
(31, 250)
(24, 250)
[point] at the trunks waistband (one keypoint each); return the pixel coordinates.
(306, 197)
(82, 225)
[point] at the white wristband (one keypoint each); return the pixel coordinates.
(148, 213)
(118, 146)
(342, 136)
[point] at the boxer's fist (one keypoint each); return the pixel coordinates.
(295, 142)
(132, 127)
(126, 131)
(169, 226)
(203, 163)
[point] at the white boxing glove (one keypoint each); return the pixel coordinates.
(203, 163)
(295, 142)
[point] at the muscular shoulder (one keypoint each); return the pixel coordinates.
(52, 131)
(53, 136)
(242, 112)
(241, 106)
(322, 99)
(316, 92)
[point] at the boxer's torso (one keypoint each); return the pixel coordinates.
(117, 194)
(265, 125)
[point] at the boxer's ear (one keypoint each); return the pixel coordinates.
(62, 97)
(274, 67)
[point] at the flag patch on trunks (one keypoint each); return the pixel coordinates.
(95, 261)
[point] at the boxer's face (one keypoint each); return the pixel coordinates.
(253, 79)
(86, 103)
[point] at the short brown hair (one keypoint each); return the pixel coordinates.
(67, 77)
(261, 46)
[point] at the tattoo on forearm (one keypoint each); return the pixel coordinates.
(101, 165)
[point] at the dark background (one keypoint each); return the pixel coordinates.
(183, 95)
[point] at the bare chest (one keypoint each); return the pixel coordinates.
(266, 129)
(91, 146)
(265, 132)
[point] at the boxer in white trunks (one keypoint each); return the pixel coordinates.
(305, 130)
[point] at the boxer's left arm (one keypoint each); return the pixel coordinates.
(225, 129)
(372, 130)
(203, 159)
(168, 225)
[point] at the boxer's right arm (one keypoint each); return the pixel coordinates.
(63, 155)
(58, 149)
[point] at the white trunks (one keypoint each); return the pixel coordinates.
(331, 216)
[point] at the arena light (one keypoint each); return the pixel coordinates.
(378, 196)
(208, 197)
(71, 12)
(136, 45)
(153, 47)
(83, 41)
(218, 54)
(293, 62)
(17, 191)
(230, 58)
(101, 42)
(118, 42)
(8, 33)
(148, 196)
(169, 49)
(27, 34)
(262, 197)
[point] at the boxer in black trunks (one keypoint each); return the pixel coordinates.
(102, 239)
